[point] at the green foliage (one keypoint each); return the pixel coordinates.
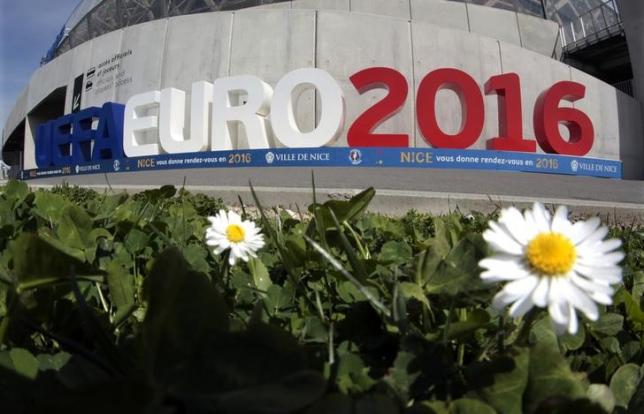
(113, 303)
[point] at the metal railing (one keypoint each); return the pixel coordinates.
(600, 23)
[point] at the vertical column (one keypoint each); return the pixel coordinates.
(633, 15)
(632, 12)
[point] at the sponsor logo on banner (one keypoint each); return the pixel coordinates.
(355, 156)
(270, 157)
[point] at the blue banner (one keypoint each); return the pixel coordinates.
(349, 157)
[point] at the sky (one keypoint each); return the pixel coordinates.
(28, 28)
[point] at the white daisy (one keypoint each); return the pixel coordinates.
(228, 231)
(551, 262)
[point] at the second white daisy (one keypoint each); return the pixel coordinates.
(553, 263)
(229, 231)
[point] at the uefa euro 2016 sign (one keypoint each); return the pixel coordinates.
(150, 131)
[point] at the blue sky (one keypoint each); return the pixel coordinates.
(27, 30)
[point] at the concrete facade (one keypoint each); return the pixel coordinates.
(274, 41)
(633, 15)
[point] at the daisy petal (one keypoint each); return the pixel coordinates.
(540, 293)
(602, 298)
(612, 274)
(590, 286)
(573, 323)
(560, 223)
(595, 237)
(583, 229)
(515, 224)
(541, 217)
(580, 300)
(504, 298)
(502, 241)
(521, 307)
(522, 286)
(559, 313)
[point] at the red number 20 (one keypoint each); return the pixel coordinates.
(361, 132)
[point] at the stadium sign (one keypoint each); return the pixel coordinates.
(152, 126)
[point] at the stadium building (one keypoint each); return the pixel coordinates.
(535, 86)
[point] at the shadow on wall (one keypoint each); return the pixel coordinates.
(631, 133)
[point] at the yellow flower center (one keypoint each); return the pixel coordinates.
(235, 233)
(551, 254)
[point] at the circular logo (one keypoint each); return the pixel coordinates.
(574, 165)
(77, 169)
(117, 165)
(355, 156)
(270, 157)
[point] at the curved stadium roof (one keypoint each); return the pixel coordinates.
(92, 18)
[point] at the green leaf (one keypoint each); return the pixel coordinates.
(121, 285)
(602, 395)
(260, 274)
(353, 375)
(542, 333)
(50, 206)
(411, 290)
(508, 378)
(349, 210)
(395, 252)
(476, 319)
(356, 264)
(402, 375)
(37, 263)
(20, 361)
(136, 240)
(15, 190)
(74, 227)
(53, 361)
(458, 273)
(609, 324)
(196, 256)
(638, 285)
(573, 342)
(624, 383)
(550, 376)
(633, 310)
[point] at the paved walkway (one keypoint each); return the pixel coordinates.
(398, 189)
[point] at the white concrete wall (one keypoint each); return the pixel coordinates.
(348, 43)
(271, 42)
(103, 48)
(145, 65)
(534, 34)
(443, 13)
(208, 55)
